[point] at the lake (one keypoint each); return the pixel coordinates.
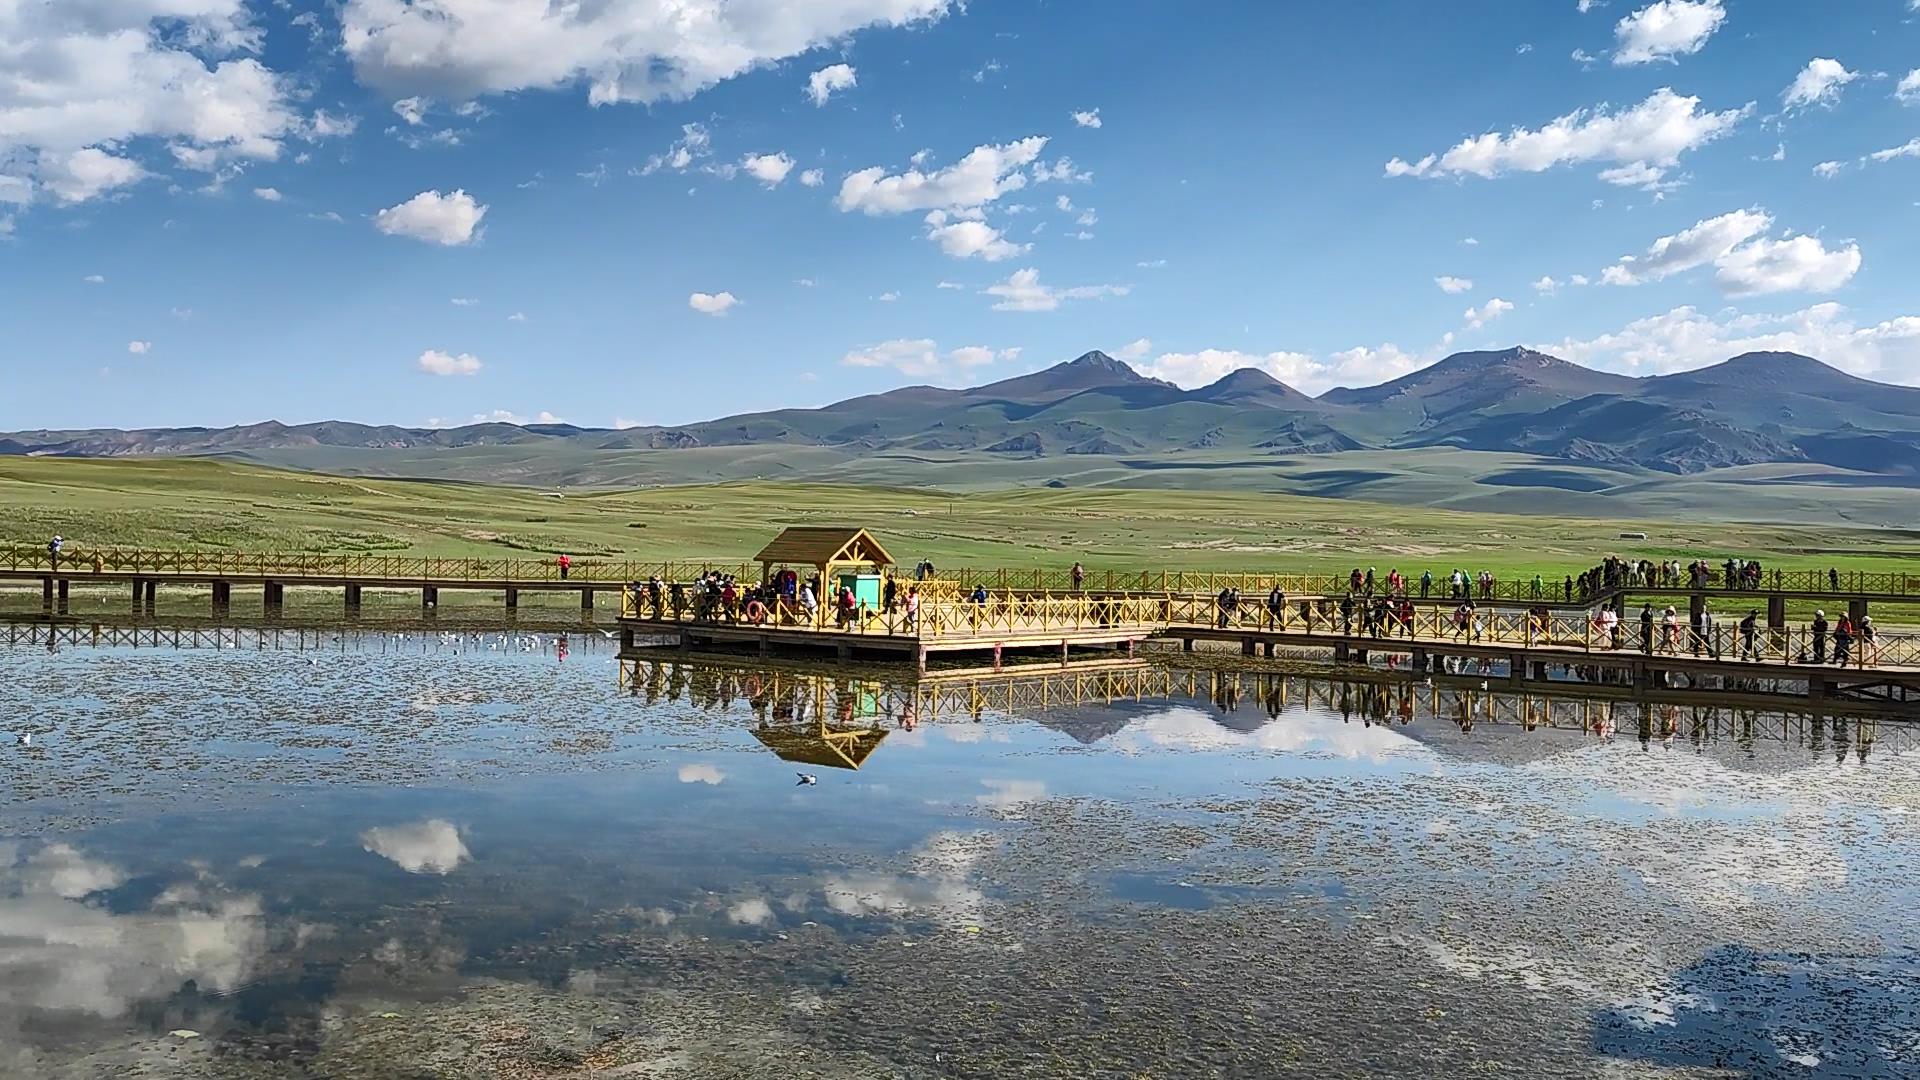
(378, 852)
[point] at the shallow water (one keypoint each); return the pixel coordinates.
(385, 853)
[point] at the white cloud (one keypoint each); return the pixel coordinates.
(968, 239)
(1060, 171)
(1686, 338)
(1696, 246)
(435, 362)
(888, 297)
(1022, 291)
(689, 774)
(1546, 285)
(694, 143)
(921, 357)
(769, 169)
(464, 301)
(1486, 313)
(1746, 262)
(413, 110)
(450, 219)
(1637, 175)
(1088, 119)
(712, 303)
(984, 175)
(624, 50)
(1667, 30)
(813, 177)
(822, 84)
(1909, 149)
(425, 847)
(1471, 241)
(1819, 83)
(1909, 89)
(82, 81)
(1136, 349)
(86, 174)
(518, 316)
(268, 194)
(325, 125)
(1588, 5)
(95, 279)
(1449, 284)
(507, 416)
(1655, 133)
(1796, 264)
(139, 348)
(1827, 170)
(1302, 371)
(751, 912)
(949, 285)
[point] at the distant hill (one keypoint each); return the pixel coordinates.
(1753, 409)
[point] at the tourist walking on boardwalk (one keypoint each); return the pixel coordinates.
(1669, 630)
(1842, 640)
(53, 552)
(1646, 629)
(889, 593)
(1346, 614)
(566, 564)
(913, 608)
(1426, 583)
(1276, 607)
(1079, 578)
(1406, 616)
(1610, 627)
(1749, 629)
(1222, 605)
(1869, 645)
(1819, 629)
(1569, 588)
(809, 604)
(1833, 579)
(1537, 586)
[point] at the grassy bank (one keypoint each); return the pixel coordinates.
(206, 504)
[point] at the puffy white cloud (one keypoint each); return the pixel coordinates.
(1908, 91)
(970, 238)
(750, 912)
(1546, 285)
(1686, 338)
(1636, 175)
(1486, 313)
(769, 169)
(822, 84)
(424, 847)
(691, 774)
(813, 177)
(435, 362)
(1136, 349)
(1654, 133)
(1088, 119)
(79, 81)
(452, 219)
(1796, 264)
(985, 174)
(1022, 291)
(1450, 284)
(1302, 371)
(1911, 148)
(1696, 246)
(712, 303)
(66, 955)
(1827, 170)
(139, 348)
(464, 301)
(325, 125)
(694, 143)
(1819, 83)
(1060, 171)
(412, 109)
(1746, 261)
(505, 416)
(888, 297)
(1667, 30)
(1152, 264)
(95, 279)
(87, 174)
(921, 357)
(624, 50)
(267, 194)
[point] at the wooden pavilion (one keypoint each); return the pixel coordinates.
(836, 748)
(832, 551)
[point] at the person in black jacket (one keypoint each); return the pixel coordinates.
(1819, 637)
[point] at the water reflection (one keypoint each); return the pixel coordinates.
(422, 852)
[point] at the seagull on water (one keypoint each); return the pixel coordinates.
(25, 738)
(806, 780)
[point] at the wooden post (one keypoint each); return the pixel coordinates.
(61, 595)
(626, 639)
(1269, 650)
(153, 590)
(513, 598)
(353, 600)
(1419, 661)
(586, 599)
(46, 594)
(139, 593)
(1776, 613)
(1857, 610)
(222, 597)
(429, 597)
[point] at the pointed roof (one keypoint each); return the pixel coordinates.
(827, 747)
(818, 545)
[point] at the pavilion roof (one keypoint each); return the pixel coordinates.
(819, 545)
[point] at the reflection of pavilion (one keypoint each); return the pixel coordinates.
(834, 748)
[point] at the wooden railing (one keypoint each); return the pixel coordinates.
(944, 584)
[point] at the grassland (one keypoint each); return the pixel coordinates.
(221, 505)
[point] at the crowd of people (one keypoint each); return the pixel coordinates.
(784, 598)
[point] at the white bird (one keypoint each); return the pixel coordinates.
(24, 739)
(806, 780)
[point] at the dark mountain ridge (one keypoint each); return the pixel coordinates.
(1753, 408)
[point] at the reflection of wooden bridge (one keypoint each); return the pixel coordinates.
(805, 702)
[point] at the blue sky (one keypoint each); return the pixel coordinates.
(427, 211)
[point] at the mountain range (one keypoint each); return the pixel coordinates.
(1754, 408)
